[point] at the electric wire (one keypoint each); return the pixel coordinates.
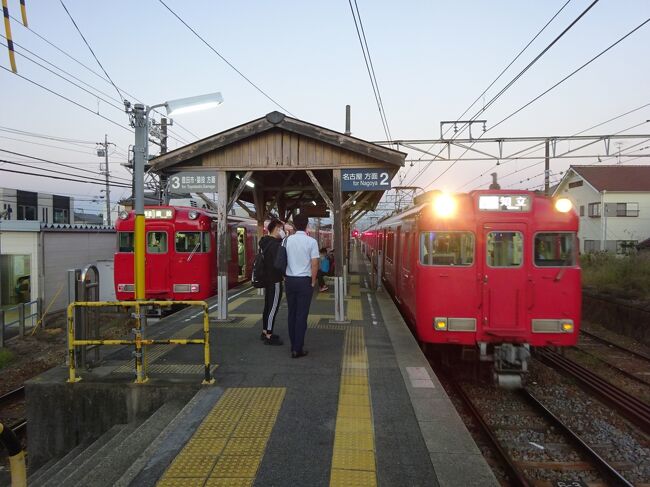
(202, 39)
(54, 171)
(77, 142)
(102, 183)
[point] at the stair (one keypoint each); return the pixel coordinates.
(130, 455)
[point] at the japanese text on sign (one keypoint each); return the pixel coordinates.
(515, 202)
(193, 181)
(365, 180)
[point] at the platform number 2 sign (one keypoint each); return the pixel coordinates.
(365, 179)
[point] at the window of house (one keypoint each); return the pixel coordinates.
(594, 210)
(156, 242)
(575, 184)
(505, 249)
(591, 246)
(447, 248)
(555, 249)
(125, 241)
(27, 212)
(190, 242)
(627, 209)
(582, 210)
(61, 216)
(625, 247)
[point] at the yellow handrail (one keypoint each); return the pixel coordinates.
(139, 342)
(16, 457)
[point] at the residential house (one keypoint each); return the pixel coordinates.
(613, 203)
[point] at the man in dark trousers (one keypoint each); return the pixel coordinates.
(302, 271)
(269, 244)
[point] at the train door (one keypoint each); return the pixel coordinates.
(397, 263)
(157, 277)
(407, 277)
(504, 278)
(241, 253)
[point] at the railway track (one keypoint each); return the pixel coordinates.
(519, 468)
(635, 410)
(10, 399)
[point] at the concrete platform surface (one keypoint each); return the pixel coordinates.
(363, 408)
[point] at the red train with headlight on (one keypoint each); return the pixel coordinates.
(181, 255)
(496, 270)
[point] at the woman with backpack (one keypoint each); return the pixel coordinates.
(271, 278)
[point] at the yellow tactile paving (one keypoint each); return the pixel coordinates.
(354, 311)
(228, 447)
(240, 320)
(354, 278)
(353, 457)
(355, 290)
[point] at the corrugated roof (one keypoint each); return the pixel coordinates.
(616, 178)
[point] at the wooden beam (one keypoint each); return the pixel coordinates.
(246, 209)
(208, 201)
(238, 190)
(349, 201)
(320, 189)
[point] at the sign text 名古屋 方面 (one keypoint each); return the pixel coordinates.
(365, 180)
(193, 181)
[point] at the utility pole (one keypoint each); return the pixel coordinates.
(164, 195)
(547, 167)
(105, 172)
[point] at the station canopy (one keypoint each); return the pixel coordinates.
(288, 159)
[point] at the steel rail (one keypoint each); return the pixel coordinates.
(602, 465)
(640, 355)
(11, 396)
(618, 369)
(635, 410)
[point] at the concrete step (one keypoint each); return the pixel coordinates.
(110, 468)
(56, 464)
(75, 471)
(150, 465)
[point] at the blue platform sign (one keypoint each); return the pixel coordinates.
(365, 179)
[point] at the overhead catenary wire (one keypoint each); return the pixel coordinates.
(54, 171)
(92, 71)
(370, 67)
(3, 169)
(248, 80)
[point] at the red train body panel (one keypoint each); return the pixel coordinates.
(181, 253)
(488, 274)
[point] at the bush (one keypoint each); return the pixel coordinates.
(6, 356)
(623, 276)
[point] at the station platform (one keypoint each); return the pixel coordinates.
(363, 408)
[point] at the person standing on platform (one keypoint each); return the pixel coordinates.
(323, 270)
(269, 245)
(302, 272)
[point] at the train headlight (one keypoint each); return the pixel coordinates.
(123, 215)
(440, 324)
(563, 205)
(444, 205)
(567, 326)
(193, 214)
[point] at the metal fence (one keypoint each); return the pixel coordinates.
(15, 321)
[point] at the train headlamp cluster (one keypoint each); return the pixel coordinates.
(193, 214)
(444, 205)
(563, 205)
(440, 324)
(567, 326)
(123, 215)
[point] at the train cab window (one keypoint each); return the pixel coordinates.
(157, 242)
(192, 242)
(554, 249)
(447, 248)
(125, 241)
(504, 249)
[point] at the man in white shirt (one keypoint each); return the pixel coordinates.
(301, 276)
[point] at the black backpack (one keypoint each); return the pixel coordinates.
(259, 277)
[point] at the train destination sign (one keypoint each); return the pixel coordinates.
(513, 202)
(365, 180)
(193, 181)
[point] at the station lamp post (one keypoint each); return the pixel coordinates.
(140, 121)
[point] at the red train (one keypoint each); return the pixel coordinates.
(181, 255)
(494, 269)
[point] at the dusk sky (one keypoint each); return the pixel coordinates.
(431, 58)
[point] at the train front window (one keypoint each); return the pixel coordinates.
(447, 248)
(125, 241)
(554, 249)
(157, 242)
(504, 249)
(191, 242)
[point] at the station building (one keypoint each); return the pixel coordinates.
(16, 204)
(613, 203)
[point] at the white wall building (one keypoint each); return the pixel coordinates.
(16, 204)
(613, 203)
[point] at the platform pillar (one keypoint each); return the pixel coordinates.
(222, 236)
(339, 251)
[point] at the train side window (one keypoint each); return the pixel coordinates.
(447, 248)
(390, 246)
(125, 241)
(555, 249)
(156, 242)
(504, 249)
(407, 251)
(190, 242)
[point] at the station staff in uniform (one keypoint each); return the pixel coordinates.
(301, 277)
(269, 244)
